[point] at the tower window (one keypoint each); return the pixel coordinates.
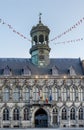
(46, 38)
(35, 39)
(41, 38)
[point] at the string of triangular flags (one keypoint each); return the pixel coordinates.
(69, 29)
(70, 41)
(14, 30)
(41, 97)
(57, 37)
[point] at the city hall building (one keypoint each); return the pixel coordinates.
(41, 91)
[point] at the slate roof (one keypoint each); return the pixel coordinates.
(63, 64)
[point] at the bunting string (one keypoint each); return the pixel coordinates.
(70, 41)
(13, 30)
(68, 30)
(57, 37)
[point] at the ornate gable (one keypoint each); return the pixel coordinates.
(72, 71)
(55, 71)
(7, 71)
(26, 71)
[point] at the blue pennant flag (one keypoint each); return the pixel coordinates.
(50, 97)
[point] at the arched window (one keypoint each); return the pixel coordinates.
(46, 93)
(46, 38)
(6, 94)
(64, 114)
(72, 114)
(26, 114)
(35, 39)
(5, 114)
(16, 114)
(55, 93)
(80, 114)
(35, 94)
(72, 94)
(16, 94)
(80, 94)
(63, 94)
(41, 38)
(55, 116)
(26, 94)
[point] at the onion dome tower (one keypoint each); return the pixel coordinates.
(40, 44)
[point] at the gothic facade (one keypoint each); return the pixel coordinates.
(41, 92)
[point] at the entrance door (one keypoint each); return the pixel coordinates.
(41, 118)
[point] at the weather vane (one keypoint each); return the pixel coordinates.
(40, 17)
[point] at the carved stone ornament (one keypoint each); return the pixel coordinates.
(41, 82)
(59, 82)
(82, 82)
(31, 82)
(21, 82)
(68, 82)
(1, 82)
(76, 82)
(50, 82)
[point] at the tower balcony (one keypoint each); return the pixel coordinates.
(39, 46)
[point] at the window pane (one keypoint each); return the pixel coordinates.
(26, 114)
(35, 94)
(6, 94)
(80, 114)
(55, 116)
(64, 114)
(72, 114)
(16, 94)
(16, 114)
(5, 114)
(26, 94)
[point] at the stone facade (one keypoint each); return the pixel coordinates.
(21, 97)
(41, 91)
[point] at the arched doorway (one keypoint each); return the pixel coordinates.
(41, 118)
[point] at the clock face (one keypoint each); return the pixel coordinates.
(59, 82)
(68, 82)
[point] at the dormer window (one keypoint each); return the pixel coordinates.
(55, 71)
(7, 71)
(26, 71)
(72, 71)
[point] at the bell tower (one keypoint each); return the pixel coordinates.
(40, 44)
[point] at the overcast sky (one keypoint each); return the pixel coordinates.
(58, 15)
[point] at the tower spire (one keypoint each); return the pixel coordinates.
(40, 17)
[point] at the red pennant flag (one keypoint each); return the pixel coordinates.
(46, 100)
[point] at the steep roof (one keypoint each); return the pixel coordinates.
(63, 64)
